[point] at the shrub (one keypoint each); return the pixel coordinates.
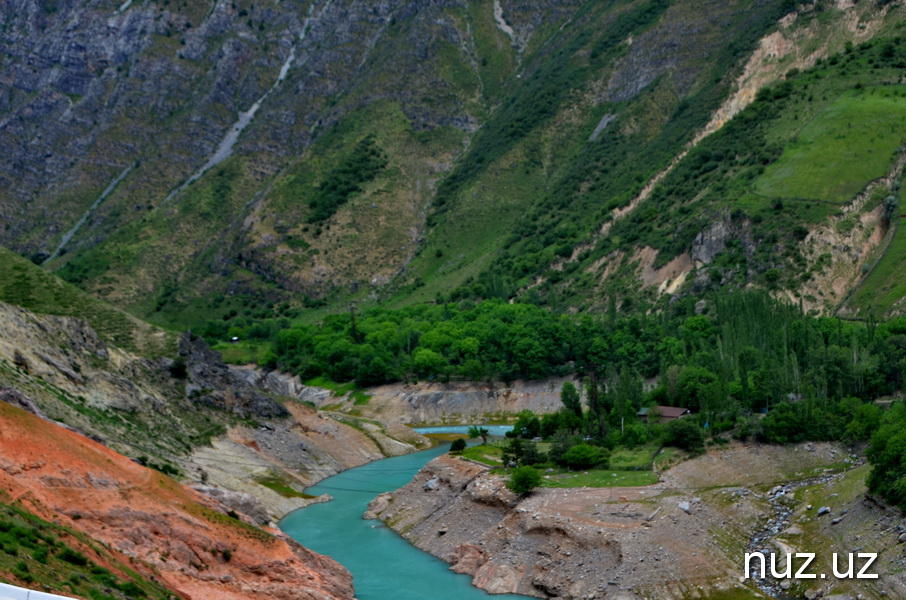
(684, 434)
(72, 557)
(459, 444)
(178, 368)
(582, 456)
(523, 480)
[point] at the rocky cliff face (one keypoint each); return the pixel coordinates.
(423, 402)
(681, 538)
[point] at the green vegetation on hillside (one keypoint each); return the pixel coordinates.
(35, 553)
(772, 173)
(748, 354)
(841, 149)
(885, 287)
(764, 150)
(346, 179)
(588, 179)
(24, 284)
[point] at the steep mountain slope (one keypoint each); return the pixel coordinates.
(227, 159)
(151, 523)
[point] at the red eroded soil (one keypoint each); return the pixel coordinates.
(174, 534)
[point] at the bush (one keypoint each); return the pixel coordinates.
(73, 557)
(582, 456)
(523, 480)
(684, 434)
(459, 444)
(178, 368)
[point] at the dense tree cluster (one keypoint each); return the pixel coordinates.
(888, 456)
(749, 365)
(748, 353)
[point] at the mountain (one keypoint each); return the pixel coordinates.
(212, 160)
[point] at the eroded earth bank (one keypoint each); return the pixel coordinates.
(681, 538)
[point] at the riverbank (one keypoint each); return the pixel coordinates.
(681, 538)
(266, 467)
(422, 402)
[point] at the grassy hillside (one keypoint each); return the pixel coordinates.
(842, 148)
(25, 284)
(774, 173)
(36, 554)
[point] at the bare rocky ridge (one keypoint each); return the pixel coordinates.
(683, 537)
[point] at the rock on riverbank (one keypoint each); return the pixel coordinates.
(681, 538)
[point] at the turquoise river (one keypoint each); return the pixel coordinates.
(384, 566)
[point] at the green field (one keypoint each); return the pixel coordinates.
(634, 458)
(489, 454)
(846, 145)
(241, 353)
(599, 478)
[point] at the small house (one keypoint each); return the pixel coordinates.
(666, 413)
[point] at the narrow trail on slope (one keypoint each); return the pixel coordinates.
(75, 228)
(225, 149)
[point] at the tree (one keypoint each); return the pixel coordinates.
(569, 396)
(865, 421)
(479, 432)
(692, 387)
(458, 445)
(887, 454)
(527, 425)
(521, 452)
(629, 394)
(428, 362)
(531, 455)
(523, 480)
(582, 456)
(561, 442)
(684, 434)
